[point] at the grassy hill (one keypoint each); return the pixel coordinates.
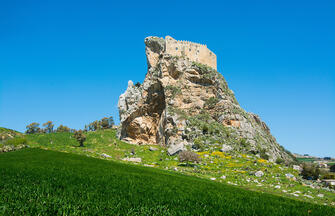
(6, 134)
(36, 181)
(228, 169)
(10, 140)
(237, 169)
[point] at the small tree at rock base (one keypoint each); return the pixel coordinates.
(80, 137)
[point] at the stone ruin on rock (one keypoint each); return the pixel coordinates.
(185, 103)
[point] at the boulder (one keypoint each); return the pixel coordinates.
(174, 149)
(135, 160)
(226, 148)
(105, 155)
(259, 174)
(289, 175)
(153, 149)
(298, 168)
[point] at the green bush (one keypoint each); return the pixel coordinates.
(263, 154)
(310, 171)
(174, 90)
(279, 161)
(329, 176)
(16, 141)
(198, 144)
(244, 143)
(211, 102)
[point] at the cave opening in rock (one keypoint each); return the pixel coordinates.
(143, 127)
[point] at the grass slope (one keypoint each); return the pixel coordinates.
(40, 182)
(2, 129)
(237, 168)
(6, 134)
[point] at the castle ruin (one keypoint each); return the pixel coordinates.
(194, 51)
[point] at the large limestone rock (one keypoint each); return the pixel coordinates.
(186, 103)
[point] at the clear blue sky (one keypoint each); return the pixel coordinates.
(68, 61)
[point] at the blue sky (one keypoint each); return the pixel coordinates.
(68, 61)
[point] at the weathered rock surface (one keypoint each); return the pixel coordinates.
(185, 103)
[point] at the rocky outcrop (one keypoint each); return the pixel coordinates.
(9, 148)
(6, 134)
(183, 103)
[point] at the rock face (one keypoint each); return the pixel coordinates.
(184, 101)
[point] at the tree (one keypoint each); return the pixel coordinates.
(49, 127)
(33, 128)
(104, 123)
(62, 128)
(94, 126)
(80, 137)
(111, 122)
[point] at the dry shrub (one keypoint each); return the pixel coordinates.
(188, 156)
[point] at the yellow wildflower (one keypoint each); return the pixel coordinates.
(220, 154)
(262, 161)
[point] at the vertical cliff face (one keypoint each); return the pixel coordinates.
(186, 104)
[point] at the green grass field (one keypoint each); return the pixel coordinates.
(238, 169)
(40, 182)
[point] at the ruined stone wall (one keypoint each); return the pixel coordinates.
(194, 51)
